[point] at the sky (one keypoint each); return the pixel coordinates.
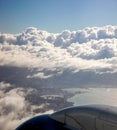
(56, 15)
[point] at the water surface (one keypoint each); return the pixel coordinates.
(84, 96)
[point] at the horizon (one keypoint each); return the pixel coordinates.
(80, 29)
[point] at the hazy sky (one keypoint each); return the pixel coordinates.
(56, 15)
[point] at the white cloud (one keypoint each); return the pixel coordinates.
(93, 49)
(39, 75)
(59, 57)
(40, 49)
(14, 108)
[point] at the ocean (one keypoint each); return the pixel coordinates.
(83, 96)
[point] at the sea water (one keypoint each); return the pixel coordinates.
(88, 96)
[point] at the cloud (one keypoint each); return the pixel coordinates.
(40, 59)
(54, 53)
(7, 38)
(92, 49)
(101, 49)
(14, 108)
(39, 75)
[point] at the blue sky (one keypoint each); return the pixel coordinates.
(56, 15)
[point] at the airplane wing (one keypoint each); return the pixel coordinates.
(44, 122)
(89, 117)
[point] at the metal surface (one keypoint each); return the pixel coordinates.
(89, 117)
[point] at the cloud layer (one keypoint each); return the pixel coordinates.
(75, 50)
(80, 58)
